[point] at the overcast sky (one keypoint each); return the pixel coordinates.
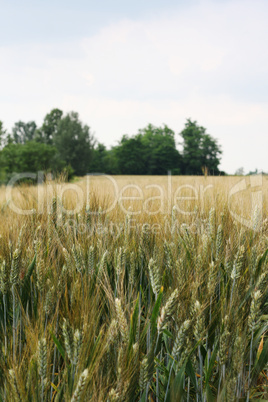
(123, 64)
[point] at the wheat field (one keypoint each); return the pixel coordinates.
(132, 288)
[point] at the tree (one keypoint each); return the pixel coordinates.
(29, 157)
(200, 151)
(74, 143)
(129, 155)
(23, 132)
(151, 152)
(160, 150)
(210, 154)
(2, 134)
(240, 172)
(103, 161)
(50, 126)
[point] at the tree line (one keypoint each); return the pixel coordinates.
(64, 143)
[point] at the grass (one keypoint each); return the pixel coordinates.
(133, 299)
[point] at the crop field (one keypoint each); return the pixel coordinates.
(134, 288)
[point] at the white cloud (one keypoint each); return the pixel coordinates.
(207, 62)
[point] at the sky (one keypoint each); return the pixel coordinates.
(124, 64)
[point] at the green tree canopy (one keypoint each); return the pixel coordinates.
(29, 157)
(160, 150)
(2, 134)
(64, 142)
(23, 132)
(50, 126)
(200, 150)
(129, 156)
(151, 152)
(74, 143)
(103, 160)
